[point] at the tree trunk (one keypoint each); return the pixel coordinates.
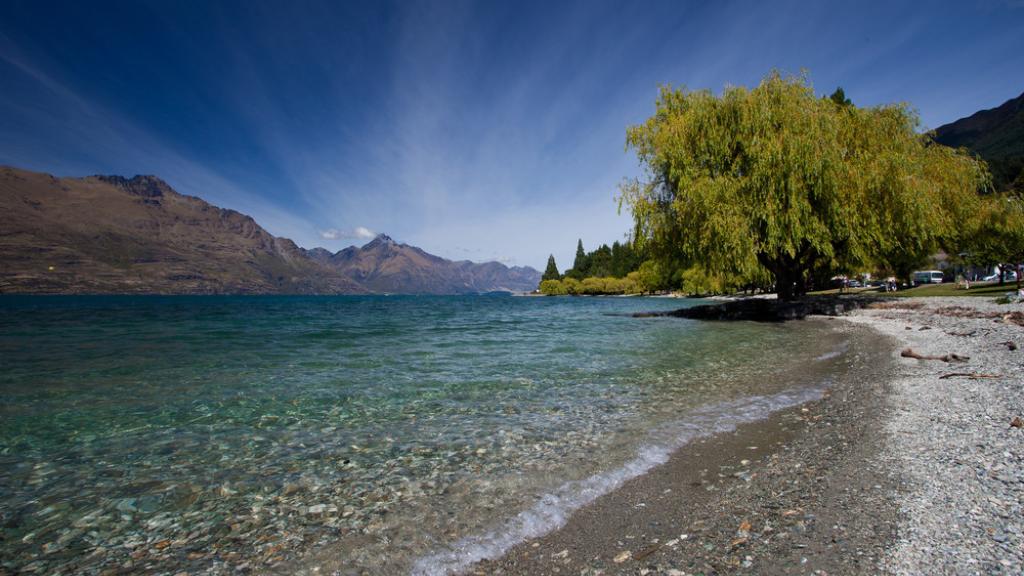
(785, 284)
(789, 273)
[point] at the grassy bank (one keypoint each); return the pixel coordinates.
(990, 289)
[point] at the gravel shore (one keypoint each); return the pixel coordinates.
(951, 437)
(907, 466)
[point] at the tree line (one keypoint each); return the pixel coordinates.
(617, 269)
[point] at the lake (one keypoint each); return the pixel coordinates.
(392, 434)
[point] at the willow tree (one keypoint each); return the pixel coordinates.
(776, 180)
(998, 235)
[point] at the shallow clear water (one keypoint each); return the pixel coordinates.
(382, 433)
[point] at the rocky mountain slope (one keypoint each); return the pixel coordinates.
(997, 135)
(384, 265)
(108, 234)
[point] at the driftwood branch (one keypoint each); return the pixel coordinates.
(908, 353)
(969, 375)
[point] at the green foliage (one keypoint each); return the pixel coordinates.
(591, 286)
(997, 236)
(616, 261)
(599, 262)
(552, 287)
(653, 276)
(624, 259)
(551, 272)
(774, 180)
(580, 265)
(839, 97)
(698, 281)
(596, 286)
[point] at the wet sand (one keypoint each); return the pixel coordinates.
(798, 493)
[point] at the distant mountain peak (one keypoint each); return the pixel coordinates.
(380, 240)
(386, 266)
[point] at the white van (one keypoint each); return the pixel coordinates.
(928, 277)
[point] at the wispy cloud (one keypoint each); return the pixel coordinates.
(357, 233)
(106, 141)
(453, 124)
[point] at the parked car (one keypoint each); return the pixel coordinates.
(1011, 276)
(928, 277)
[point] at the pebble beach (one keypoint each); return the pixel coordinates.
(954, 436)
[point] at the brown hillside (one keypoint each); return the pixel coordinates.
(115, 235)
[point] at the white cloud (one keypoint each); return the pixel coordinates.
(357, 233)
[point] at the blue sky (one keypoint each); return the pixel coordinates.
(480, 130)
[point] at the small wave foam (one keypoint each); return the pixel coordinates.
(839, 351)
(554, 508)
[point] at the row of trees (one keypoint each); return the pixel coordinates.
(615, 269)
(590, 286)
(774, 185)
(648, 278)
(615, 261)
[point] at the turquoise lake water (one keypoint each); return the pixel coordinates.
(387, 434)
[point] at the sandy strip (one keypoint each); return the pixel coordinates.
(901, 469)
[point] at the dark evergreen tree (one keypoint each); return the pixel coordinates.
(624, 259)
(581, 257)
(839, 97)
(551, 272)
(599, 262)
(615, 261)
(580, 266)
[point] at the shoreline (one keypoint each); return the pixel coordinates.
(831, 486)
(771, 495)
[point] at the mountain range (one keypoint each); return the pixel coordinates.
(116, 235)
(997, 136)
